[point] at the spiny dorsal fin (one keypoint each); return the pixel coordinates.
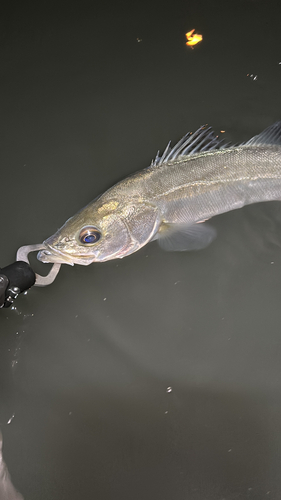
(204, 139)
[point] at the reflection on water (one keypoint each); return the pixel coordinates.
(7, 490)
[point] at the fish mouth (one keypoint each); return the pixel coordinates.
(49, 255)
(52, 255)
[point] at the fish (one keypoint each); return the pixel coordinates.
(171, 200)
(7, 490)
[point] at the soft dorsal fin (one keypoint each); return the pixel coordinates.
(271, 135)
(204, 139)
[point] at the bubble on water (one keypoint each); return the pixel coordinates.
(169, 389)
(25, 316)
(16, 311)
(10, 419)
(252, 76)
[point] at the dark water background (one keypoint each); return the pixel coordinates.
(86, 363)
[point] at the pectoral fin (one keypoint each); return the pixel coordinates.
(182, 237)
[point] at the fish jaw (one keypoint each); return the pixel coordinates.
(54, 253)
(51, 256)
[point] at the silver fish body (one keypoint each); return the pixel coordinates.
(207, 184)
(196, 180)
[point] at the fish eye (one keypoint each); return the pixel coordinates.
(89, 235)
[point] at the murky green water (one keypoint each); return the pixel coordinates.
(86, 363)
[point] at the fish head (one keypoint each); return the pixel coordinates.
(104, 230)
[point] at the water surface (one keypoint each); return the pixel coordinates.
(88, 95)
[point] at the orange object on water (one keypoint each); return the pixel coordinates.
(193, 38)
